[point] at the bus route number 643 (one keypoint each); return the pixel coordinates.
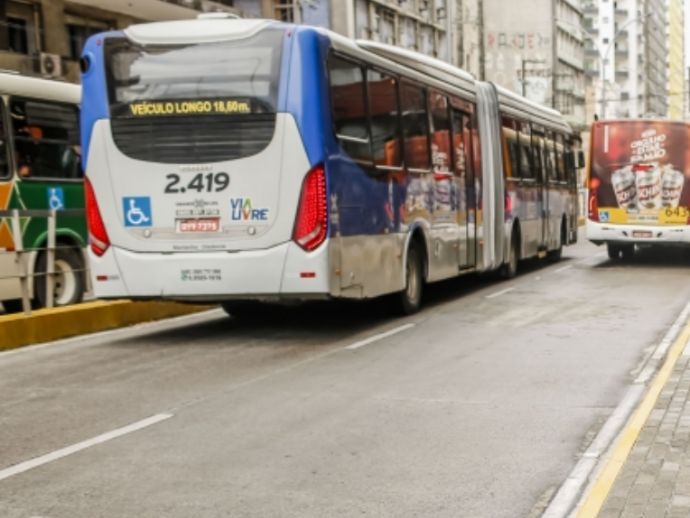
(209, 182)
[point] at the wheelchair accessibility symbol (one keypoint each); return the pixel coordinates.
(137, 211)
(56, 198)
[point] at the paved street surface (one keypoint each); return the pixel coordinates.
(479, 406)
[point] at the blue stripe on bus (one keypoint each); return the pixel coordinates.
(307, 93)
(94, 89)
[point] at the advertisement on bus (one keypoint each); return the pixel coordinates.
(640, 172)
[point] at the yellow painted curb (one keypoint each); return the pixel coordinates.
(596, 497)
(45, 325)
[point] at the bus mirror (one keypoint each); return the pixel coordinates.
(580, 159)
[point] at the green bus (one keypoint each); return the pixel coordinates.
(40, 170)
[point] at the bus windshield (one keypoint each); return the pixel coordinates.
(241, 76)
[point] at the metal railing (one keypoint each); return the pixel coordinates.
(24, 272)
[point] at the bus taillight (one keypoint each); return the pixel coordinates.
(98, 236)
(592, 201)
(311, 224)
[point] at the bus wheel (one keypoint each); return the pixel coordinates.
(410, 298)
(509, 269)
(627, 252)
(69, 278)
(614, 251)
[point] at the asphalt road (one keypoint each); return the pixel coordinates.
(478, 406)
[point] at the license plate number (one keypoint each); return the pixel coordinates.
(198, 225)
(642, 233)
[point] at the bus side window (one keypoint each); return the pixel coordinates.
(384, 116)
(538, 156)
(511, 151)
(441, 149)
(526, 167)
(5, 171)
(560, 161)
(570, 173)
(415, 127)
(551, 170)
(46, 139)
(348, 108)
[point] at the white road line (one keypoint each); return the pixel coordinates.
(564, 268)
(379, 336)
(499, 293)
(69, 450)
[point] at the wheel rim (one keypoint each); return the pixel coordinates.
(65, 283)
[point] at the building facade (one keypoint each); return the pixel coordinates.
(536, 48)
(627, 55)
(676, 56)
(44, 37)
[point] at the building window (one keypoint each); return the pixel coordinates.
(78, 34)
(17, 35)
(284, 11)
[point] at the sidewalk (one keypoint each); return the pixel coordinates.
(648, 471)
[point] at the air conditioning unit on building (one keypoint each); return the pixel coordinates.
(50, 65)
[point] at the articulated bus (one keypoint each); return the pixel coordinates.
(242, 160)
(40, 170)
(638, 178)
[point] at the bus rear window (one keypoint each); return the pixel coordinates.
(222, 78)
(206, 102)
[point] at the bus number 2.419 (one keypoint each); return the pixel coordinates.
(210, 182)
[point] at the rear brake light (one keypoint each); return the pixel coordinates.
(98, 236)
(311, 225)
(592, 201)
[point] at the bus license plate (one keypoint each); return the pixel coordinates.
(198, 225)
(642, 233)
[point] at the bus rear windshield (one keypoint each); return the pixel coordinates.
(236, 77)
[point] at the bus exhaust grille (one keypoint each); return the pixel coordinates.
(190, 140)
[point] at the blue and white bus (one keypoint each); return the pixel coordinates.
(241, 160)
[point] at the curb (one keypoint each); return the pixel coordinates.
(47, 325)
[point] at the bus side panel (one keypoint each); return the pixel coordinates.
(366, 219)
(9, 270)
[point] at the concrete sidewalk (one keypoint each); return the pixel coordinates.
(46, 325)
(647, 472)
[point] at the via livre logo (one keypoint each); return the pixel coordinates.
(241, 209)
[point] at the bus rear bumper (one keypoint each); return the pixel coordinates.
(284, 271)
(600, 233)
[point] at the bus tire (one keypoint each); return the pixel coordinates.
(627, 252)
(614, 251)
(509, 268)
(410, 298)
(69, 278)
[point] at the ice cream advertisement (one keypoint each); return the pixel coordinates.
(640, 170)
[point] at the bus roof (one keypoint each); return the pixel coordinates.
(508, 100)
(203, 30)
(428, 65)
(27, 86)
